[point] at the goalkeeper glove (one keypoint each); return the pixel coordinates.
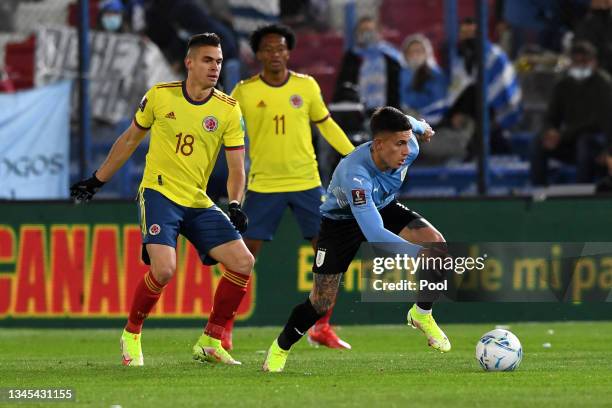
(84, 190)
(237, 216)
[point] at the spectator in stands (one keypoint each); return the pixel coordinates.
(579, 118)
(373, 65)
(110, 16)
(305, 13)
(170, 23)
(596, 28)
(604, 186)
(504, 94)
(423, 86)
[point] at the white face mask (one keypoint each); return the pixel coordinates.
(367, 38)
(580, 73)
(416, 62)
(112, 22)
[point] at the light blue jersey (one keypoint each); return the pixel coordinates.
(358, 189)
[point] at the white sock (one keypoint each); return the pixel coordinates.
(422, 311)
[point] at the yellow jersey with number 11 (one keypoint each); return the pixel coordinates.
(278, 127)
(186, 137)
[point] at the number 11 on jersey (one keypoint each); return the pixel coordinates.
(279, 120)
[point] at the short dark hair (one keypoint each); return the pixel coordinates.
(584, 48)
(279, 29)
(389, 119)
(198, 40)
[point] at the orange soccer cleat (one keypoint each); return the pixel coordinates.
(324, 335)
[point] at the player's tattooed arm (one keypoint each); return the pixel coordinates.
(324, 290)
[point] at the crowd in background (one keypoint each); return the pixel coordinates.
(571, 39)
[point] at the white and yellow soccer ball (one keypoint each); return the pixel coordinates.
(499, 350)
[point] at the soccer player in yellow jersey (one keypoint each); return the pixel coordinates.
(189, 122)
(278, 107)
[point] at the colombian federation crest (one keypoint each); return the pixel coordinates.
(320, 257)
(154, 229)
(296, 101)
(210, 123)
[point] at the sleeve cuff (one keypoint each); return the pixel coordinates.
(234, 147)
(316, 122)
(139, 126)
(417, 125)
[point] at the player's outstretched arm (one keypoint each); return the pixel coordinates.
(122, 149)
(421, 129)
(235, 187)
(335, 136)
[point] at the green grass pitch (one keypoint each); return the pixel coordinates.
(389, 366)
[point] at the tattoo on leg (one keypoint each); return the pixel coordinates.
(324, 291)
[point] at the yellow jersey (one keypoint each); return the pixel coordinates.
(278, 127)
(186, 137)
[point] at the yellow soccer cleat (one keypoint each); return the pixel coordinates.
(210, 350)
(426, 323)
(275, 359)
(131, 349)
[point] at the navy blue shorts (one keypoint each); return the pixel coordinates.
(161, 220)
(265, 211)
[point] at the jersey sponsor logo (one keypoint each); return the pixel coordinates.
(171, 115)
(261, 104)
(210, 123)
(296, 101)
(143, 103)
(154, 229)
(359, 196)
(320, 259)
(360, 181)
(403, 174)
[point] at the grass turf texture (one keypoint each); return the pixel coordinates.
(389, 365)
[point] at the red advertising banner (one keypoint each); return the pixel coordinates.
(83, 271)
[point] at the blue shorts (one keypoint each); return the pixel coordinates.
(265, 211)
(161, 220)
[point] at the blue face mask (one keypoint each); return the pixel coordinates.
(112, 22)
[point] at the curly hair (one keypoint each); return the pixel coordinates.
(279, 29)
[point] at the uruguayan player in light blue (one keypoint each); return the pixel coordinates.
(361, 206)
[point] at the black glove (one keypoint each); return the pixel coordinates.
(237, 216)
(84, 190)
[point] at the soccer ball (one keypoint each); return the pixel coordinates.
(499, 350)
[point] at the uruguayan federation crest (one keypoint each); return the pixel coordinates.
(320, 257)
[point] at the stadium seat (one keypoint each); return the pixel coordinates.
(19, 60)
(508, 174)
(318, 54)
(73, 14)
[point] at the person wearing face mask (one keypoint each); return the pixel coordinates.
(423, 85)
(373, 66)
(596, 28)
(504, 93)
(578, 119)
(111, 15)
